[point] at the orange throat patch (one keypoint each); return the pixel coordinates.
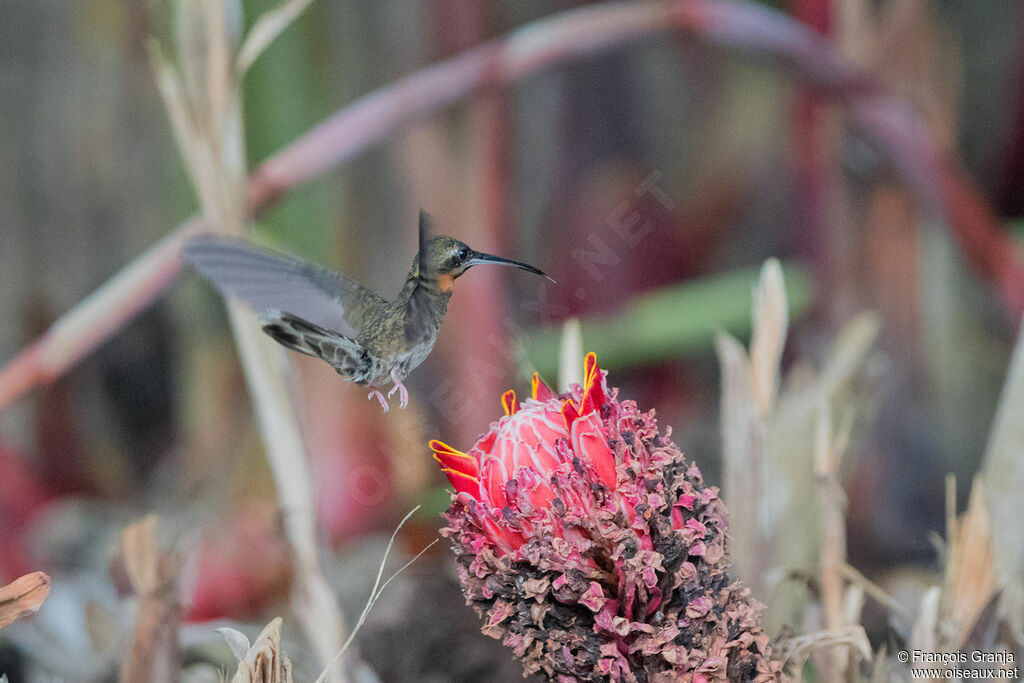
(445, 283)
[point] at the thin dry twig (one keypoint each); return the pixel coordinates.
(376, 591)
(876, 592)
(836, 599)
(795, 651)
(22, 596)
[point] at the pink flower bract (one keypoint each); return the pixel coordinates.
(592, 549)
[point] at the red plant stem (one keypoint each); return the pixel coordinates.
(97, 317)
(545, 43)
(813, 151)
(531, 49)
(989, 248)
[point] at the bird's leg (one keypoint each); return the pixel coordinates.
(375, 393)
(403, 393)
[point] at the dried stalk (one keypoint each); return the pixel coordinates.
(743, 446)
(835, 598)
(153, 655)
(204, 101)
(313, 603)
(797, 650)
(564, 37)
(749, 390)
(970, 577)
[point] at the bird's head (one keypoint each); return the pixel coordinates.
(450, 258)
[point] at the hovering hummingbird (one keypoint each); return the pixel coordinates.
(324, 314)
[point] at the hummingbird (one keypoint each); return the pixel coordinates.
(324, 314)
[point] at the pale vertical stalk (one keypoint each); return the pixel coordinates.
(204, 99)
(743, 446)
(830, 496)
(771, 324)
(749, 391)
(842, 607)
(313, 602)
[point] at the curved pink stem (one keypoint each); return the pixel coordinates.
(528, 50)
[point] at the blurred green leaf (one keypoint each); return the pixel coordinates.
(672, 321)
(289, 89)
(433, 501)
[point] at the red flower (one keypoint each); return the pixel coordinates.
(592, 549)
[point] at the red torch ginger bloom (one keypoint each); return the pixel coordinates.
(593, 550)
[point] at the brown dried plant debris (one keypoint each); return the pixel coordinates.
(263, 661)
(153, 574)
(23, 596)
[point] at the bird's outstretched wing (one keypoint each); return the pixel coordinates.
(269, 281)
(419, 323)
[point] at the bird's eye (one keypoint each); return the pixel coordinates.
(463, 253)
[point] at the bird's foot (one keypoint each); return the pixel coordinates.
(375, 393)
(403, 393)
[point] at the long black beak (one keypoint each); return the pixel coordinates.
(479, 257)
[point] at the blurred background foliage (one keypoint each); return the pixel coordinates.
(649, 181)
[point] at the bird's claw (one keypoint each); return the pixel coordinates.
(403, 393)
(375, 393)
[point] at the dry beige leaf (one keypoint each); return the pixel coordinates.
(237, 642)
(23, 596)
(849, 351)
(265, 662)
(970, 571)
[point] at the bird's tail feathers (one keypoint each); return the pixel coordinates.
(343, 353)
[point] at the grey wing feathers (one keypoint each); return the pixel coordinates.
(344, 354)
(268, 281)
